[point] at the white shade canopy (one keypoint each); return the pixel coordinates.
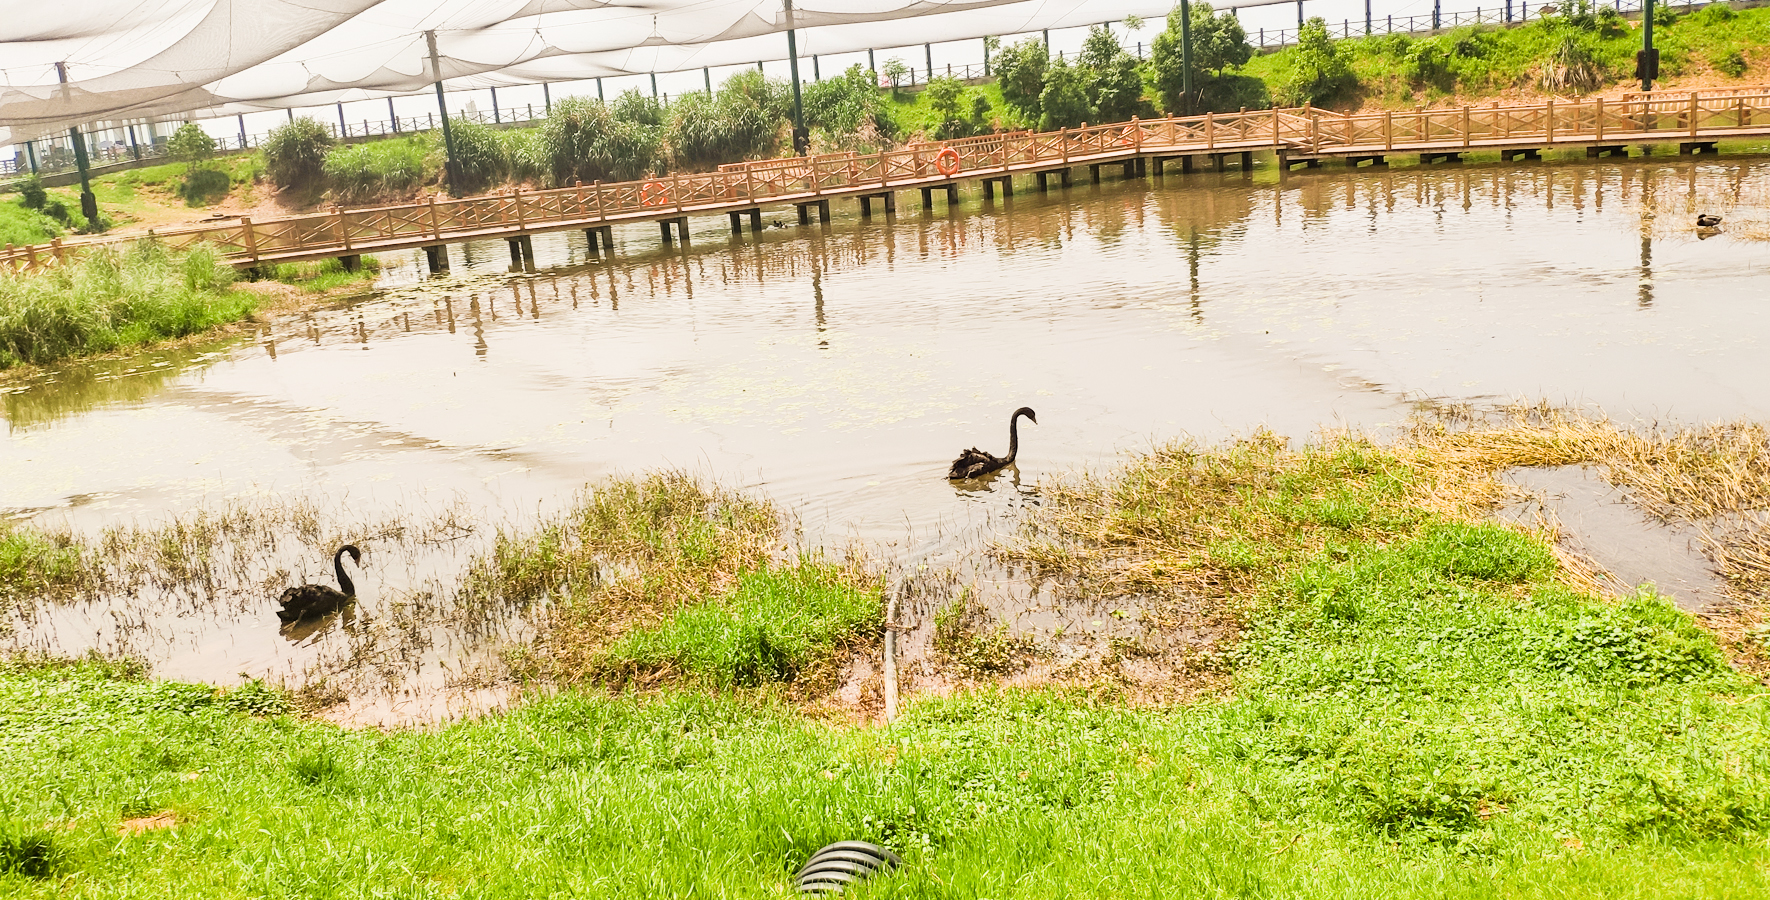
(131, 60)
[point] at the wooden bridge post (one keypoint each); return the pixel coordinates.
(1695, 113)
(251, 239)
(338, 226)
(676, 191)
(516, 202)
(1598, 118)
(435, 224)
(1210, 132)
(1466, 134)
(1549, 122)
(1388, 130)
(1063, 144)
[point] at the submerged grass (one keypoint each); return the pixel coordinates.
(114, 297)
(666, 578)
(323, 275)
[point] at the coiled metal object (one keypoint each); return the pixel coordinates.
(834, 868)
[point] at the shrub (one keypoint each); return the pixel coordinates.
(479, 156)
(1729, 62)
(847, 109)
(706, 130)
(1571, 66)
(32, 193)
(632, 106)
(295, 154)
(583, 140)
(525, 159)
(1319, 72)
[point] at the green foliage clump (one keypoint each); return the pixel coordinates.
(846, 111)
(31, 192)
(1020, 70)
(740, 122)
(31, 853)
(191, 145)
(588, 140)
(295, 154)
(391, 168)
(479, 156)
(778, 625)
(23, 223)
(112, 297)
(1729, 62)
(1319, 74)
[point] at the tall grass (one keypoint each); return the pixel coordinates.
(389, 169)
(112, 297)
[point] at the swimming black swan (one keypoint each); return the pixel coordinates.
(306, 600)
(974, 462)
(1707, 221)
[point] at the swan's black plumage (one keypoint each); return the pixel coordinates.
(1707, 221)
(308, 600)
(974, 462)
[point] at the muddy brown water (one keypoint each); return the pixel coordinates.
(838, 369)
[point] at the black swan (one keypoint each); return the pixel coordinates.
(974, 462)
(306, 600)
(1707, 221)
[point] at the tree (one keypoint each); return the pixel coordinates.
(1218, 44)
(1065, 97)
(946, 96)
(192, 146)
(896, 72)
(1318, 73)
(1099, 49)
(1020, 70)
(1117, 89)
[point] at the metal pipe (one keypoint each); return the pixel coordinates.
(442, 107)
(801, 137)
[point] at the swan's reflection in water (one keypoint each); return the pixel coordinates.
(308, 630)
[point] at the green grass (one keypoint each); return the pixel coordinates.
(320, 276)
(1470, 63)
(1417, 707)
(382, 170)
(20, 226)
(778, 625)
(114, 297)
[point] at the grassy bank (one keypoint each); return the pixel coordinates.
(115, 297)
(1419, 704)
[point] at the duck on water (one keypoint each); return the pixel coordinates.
(974, 463)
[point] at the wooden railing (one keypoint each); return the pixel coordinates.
(1293, 133)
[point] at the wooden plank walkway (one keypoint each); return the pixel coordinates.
(1695, 121)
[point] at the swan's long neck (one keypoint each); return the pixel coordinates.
(344, 583)
(1013, 437)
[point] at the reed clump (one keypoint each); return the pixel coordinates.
(112, 297)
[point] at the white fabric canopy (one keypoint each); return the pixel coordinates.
(133, 60)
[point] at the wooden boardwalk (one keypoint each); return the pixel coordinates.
(1695, 121)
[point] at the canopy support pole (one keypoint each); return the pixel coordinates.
(442, 107)
(88, 202)
(801, 137)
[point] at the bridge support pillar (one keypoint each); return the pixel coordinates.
(437, 255)
(755, 219)
(989, 187)
(1375, 160)
(1527, 153)
(351, 263)
(737, 222)
(681, 225)
(1286, 163)
(823, 211)
(1693, 148)
(1045, 177)
(890, 201)
(1597, 151)
(522, 253)
(1427, 159)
